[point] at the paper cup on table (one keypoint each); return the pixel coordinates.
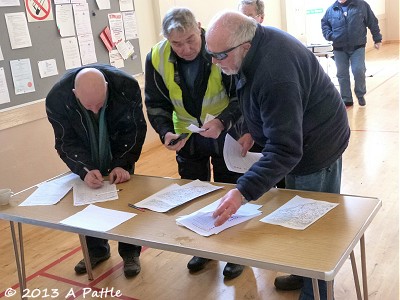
(5, 195)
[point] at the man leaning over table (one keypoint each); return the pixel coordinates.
(182, 86)
(290, 106)
(99, 127)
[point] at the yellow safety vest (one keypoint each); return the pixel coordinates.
(215, 99)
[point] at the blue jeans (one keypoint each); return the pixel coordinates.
(355, 59)
(325, 180)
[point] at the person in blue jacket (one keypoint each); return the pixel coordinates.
(290, 107)
(345, 24)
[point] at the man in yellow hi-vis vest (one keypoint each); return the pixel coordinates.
(182, 86)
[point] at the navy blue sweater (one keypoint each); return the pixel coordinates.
(291, 108)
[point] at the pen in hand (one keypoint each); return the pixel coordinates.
(136, 207)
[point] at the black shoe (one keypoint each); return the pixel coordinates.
(197, 263)
(288, 282)
(348, 103)
(361, 101)
(80, 268)
(232, 270)
(131, 266)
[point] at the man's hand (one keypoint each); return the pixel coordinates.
(94, 179)
(119, 175)
(169, 136)
(229, 204)
(212, 128)
(377, 45)
(246, 141)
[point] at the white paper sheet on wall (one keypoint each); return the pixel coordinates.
(18, 31)
(65, 20)
(4, 95)
(21, 73)
(72, 58)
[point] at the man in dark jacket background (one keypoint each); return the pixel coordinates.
(291, 108)
(345, 24)
(99, 127)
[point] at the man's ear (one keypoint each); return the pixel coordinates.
(74, 91)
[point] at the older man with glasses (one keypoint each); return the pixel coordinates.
(182, 86)
(290, 107)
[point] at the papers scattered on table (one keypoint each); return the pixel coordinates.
(175, 195)
(299, 213)
(51, 192)
(86, 195)
(202, 221)
(97, 218)
(235, 162)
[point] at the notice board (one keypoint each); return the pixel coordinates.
(46, 44)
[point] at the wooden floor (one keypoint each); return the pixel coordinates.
(370, 168)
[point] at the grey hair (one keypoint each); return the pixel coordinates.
(259, 4)
(180, 19)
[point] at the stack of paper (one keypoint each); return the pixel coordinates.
(202, 221)
(175, 195)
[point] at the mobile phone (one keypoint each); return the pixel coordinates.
(180, 137)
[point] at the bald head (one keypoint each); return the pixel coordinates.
(228, 29)
(91, 89)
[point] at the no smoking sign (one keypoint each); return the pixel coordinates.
(38, 10)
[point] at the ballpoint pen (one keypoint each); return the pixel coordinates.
(135, 207)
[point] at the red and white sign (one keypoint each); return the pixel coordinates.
(38, 10)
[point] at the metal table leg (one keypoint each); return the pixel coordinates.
(86, 256)
(19, 255)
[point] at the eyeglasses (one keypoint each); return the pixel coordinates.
(223, 54)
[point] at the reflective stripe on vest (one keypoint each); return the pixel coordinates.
(215, 99)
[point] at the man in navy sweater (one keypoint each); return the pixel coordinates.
(290, 108)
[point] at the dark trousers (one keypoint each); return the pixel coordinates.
(194, 160)
(100, 247)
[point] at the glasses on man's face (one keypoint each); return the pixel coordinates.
(223, 54)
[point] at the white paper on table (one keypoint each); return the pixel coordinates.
(21, 72)
(4, 95)
(65, 20)
(82, 19)
(235, 162)
(18, 31)
(116, 59)
(97, 218)
(130, 25)
(86, 195)
(51, 192)
(47, 68)
(202, 221)
(4, 3)
(175, 195)
(116, 27)
(87, 49)
(126, 49)
(125, 5)
(72, 58)
(299, 213)
(103, 4)
(1, 54)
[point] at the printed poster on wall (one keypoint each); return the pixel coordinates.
(21, 73)
(4, 95)
(38, 10)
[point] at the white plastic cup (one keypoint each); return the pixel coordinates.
(5, 195)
